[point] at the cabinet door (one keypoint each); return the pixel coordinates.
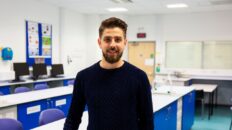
(28, 113)
(5, 90)
(166, 118)
(172, 116)
(62, 103)
(188, 110)
(65, 82)
(160, 119)
(8, 112)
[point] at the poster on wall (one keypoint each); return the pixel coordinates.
(33, 39)
(39, 42)
(46, 40)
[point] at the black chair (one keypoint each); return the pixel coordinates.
(200, 97)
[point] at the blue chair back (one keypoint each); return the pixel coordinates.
(1, 93)
(40, 86)
(21, 89)
(10, 124)
(71, 82)
(50, 115)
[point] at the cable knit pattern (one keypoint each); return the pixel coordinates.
(117, 99)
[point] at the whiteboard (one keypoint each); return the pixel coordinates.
(217, 55)
(183, 54)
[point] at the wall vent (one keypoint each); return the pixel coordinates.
(221, 2)
(121, 1)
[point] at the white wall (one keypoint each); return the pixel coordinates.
(93, 51)
(73, 40)
(13, 14)
(198, 26)
(195, 27)
(142, 23)
(161, 28)
(180, 27)
(75, 32)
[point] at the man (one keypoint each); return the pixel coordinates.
(117, 93)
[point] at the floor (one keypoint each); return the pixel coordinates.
(219, 121)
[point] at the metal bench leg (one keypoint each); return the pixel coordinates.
(230, 125)
(202, 109)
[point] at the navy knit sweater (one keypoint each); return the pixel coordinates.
(117, 99)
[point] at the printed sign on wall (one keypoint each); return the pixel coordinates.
(46, 40)
(33, 39)
(39, 42)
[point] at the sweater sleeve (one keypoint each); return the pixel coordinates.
(145, 110)
(76, 109)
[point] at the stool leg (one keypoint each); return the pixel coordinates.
(231, 124)
(202, 109)
(203, 106)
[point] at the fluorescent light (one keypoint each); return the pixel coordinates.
(178, 5)
(117, 9)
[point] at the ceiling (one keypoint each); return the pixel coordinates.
(141, 6)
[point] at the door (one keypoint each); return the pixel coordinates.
(142, 55)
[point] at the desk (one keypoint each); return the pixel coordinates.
(161, 103)
(210, 89)
(8, 87)
(27, 106)
(20, 98)
(29, 81)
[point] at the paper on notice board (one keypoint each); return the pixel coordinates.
(33, 39)
(46, 40)
(149, 62)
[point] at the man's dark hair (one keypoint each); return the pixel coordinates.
(112, 23)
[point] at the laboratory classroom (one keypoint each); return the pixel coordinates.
(184, 46)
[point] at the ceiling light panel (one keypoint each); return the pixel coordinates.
(177, 5)
(117, 9)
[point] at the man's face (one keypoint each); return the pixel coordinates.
(112, 42)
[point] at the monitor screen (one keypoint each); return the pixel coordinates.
(38, 70)
(57, 69)
(20, 70)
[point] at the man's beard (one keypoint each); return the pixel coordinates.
(114, 58)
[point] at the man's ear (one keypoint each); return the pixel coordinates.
(126, 42)
(99, 42)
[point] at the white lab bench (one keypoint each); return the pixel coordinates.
(175, 109)
(161, 78)
(8, 87)
(27, 106)
(29, 81)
